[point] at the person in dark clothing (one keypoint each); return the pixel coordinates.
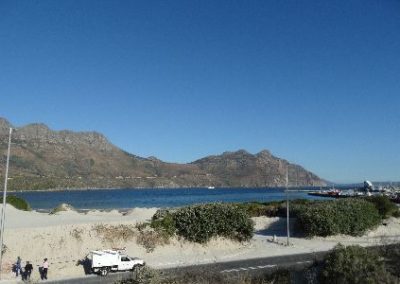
(28, 270)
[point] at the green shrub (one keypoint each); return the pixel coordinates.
(202, 222)
(257, 209)
(17, 202)
(354, 264)
(272, 208)
(344, 216)
(163, 222)
(396, 213)
(385, 207)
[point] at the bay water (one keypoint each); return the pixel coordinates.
(153, 197)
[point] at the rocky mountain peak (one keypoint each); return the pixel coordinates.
(264, 154)
(45, 158)
(240, 152)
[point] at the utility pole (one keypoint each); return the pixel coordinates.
(3, 209)
(287, 206)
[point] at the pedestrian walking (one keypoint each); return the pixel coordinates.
(18, 266)
(28, 270)
(45, 268)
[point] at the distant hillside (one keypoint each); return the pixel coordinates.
(243, 169)
(42, 158)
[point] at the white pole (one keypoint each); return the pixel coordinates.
(3, 209)
(287, 206)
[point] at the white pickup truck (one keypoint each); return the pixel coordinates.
(104, 261)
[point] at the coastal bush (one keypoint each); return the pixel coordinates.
(257, 209)
(272, 208)
(202, 222)
(344, 216)
(396, 213)
(17, 202)
(385, 207)
(163, 222)
(354, 264)
(391, 254)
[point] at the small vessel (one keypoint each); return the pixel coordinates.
(336, 193)
(211, 187)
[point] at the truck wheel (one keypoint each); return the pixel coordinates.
(104, 271)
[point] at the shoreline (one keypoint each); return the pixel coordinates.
(293, 189)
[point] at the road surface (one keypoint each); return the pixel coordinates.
(253, 266)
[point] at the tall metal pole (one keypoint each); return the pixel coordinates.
(3, 209)
(287, 206)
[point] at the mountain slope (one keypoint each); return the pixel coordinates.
(241, 168)
(42, 158)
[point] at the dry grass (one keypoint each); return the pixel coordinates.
(150, 238)
(77, 234)
(110, 233)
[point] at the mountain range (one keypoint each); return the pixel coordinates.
(42, 158)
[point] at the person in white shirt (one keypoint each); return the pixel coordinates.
(45, 268)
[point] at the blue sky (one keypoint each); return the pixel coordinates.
(315, 82)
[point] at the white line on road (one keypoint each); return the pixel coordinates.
(247, 268)
(307, 261)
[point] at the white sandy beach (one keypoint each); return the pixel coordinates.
(68, 236)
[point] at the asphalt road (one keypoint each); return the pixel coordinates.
(253, 266)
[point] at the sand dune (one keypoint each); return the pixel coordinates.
(66, 237)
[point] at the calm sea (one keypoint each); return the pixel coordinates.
(130, 198)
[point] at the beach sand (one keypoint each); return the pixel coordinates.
(67, 237)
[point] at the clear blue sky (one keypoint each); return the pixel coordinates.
(315, 82)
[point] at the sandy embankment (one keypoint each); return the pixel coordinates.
(68, 236)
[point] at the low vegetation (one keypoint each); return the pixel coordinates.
(206, 276)
(356, 265)
(274, 208)
(17, 202)
(351, 216)
(344, 216)
(200, 223)
(385, 207)
(257, 209)
(150, 238)
(111, 233)
(76, 233)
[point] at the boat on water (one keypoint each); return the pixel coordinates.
(338, 193)
(334, 193)
(210, 187)
(367, 189)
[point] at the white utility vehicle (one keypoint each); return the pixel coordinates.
(104, 261)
